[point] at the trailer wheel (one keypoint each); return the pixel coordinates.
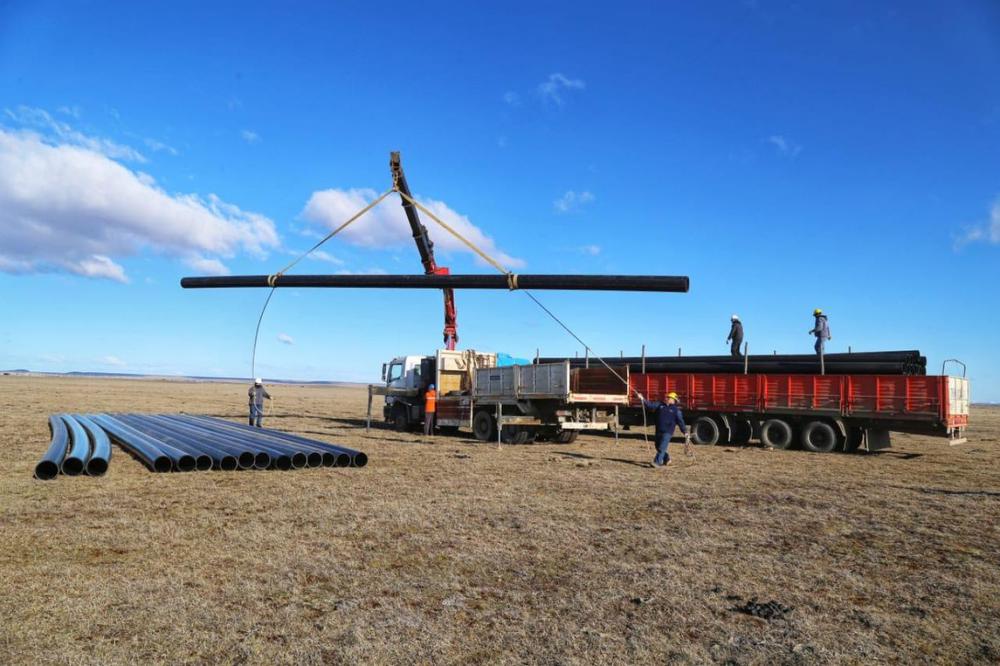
(776, 434)
(400, 417)
(705, 431)
(484, 426)
(855, 436)
(819, 437)
(740, 431)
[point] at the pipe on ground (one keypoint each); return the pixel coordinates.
(79, 448)
(206, 457)
(48, 467)
(145, 449)
(100, 456)
(245, 457)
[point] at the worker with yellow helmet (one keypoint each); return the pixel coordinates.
(821, 330)
(667, 416)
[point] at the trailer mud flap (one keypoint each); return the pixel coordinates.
(877, 439)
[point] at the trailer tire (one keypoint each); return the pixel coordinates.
(400, 417)
(776, 434)
(740, 431)
(705, 431)
(819, 437)
(484, 426)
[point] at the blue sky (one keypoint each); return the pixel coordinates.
(785, 156)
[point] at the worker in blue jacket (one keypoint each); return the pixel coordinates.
(821, 330)
(666, 415)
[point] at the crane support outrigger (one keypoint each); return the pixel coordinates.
(425, 246)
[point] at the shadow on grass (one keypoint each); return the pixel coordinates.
(946, 491)
(893, 454)
(617, 460)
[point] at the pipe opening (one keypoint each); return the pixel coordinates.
(203, 463)
(97, 466)
(343, 460)
(72, 467)
(186, 463)
(246, 460)
(299, 460)
(314, 459)
(46, 470)
(162, 464)
(283, 462)
(329, 459)
(228, 463)
(262, 460)
(359, 460)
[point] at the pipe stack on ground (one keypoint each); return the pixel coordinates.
(182, 443)
(908, 362)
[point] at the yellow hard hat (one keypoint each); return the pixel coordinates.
(817, 311)
(672, 395)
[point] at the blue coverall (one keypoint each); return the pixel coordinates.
(666, 418)
(822, 332)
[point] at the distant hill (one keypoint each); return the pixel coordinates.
(195, 378)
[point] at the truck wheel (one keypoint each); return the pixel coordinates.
(530, 435)
(741, 431)
(513, 435)
(484, 426)
(819, 437)
(566, 437)
(400, 418)
(776, 434)
(855, 436)
(705, 431)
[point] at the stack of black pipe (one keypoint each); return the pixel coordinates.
(907, 362)
(183, 443)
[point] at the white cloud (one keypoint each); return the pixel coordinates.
(367, 271)
(113, 360)
(250, 136)
(784, 146)
(158, 146)
(511, 98)
(386, 225)
(554, 88)
(70, 208)
(320, 255)
(592, 250)
(985, 232)
(572, 201)
(286, 339)
(42, 120)
(206, 265)
(70, 111)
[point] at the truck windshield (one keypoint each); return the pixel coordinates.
(395, 372)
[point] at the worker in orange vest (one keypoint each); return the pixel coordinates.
(430, 409)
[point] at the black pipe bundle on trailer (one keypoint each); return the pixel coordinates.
(658, 283)
(860, 363)
(100, 455)
(48, 467)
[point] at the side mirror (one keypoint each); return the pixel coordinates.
(383, 372)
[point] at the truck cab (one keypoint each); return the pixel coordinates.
(404, 374)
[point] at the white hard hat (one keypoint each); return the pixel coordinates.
(258, 381)
(736, 317)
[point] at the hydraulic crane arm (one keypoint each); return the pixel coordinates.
(426, 249)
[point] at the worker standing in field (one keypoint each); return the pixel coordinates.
(667, 416)
(257, 394)
(821, 330)
(736, 336)
(430, 409)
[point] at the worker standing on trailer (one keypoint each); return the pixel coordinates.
(430, 409)
(257, 394)
(736, 336)
(667, 416)
(821, 330)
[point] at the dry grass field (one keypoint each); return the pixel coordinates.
(446, 550)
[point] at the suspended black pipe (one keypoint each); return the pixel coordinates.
(357, 458)
(907, 356)
(139, 445)
(79, 448)
(245, 457)
(659, 283)
(206, 457)
(48, 467)
(100, 455)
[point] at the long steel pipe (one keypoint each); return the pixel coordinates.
(330, 457)
(100, 455)
(245, 457)
(48, 467)
(79, 449)
(206, 457)
(659, 283)
(357, 458)
(139, 445)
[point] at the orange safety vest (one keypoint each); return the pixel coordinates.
(430, 401)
